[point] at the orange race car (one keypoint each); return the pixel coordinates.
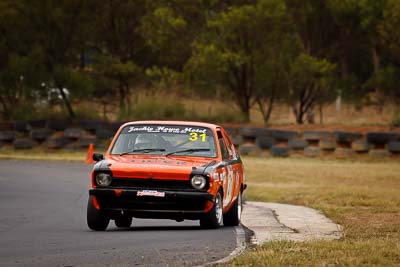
(168, 170)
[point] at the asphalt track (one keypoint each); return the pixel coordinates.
(43, 223)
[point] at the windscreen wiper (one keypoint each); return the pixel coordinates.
(187, 150)
(144, 150)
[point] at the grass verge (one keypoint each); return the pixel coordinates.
(43, 154)
(362, 196)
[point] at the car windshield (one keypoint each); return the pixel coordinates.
(169, 140)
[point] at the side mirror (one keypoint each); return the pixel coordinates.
(98, 157)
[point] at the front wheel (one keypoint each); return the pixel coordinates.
(233, 216)
(95, 219)
(213, 219)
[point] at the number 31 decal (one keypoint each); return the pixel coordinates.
(195, 136)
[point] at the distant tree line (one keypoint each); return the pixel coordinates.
(255, 52)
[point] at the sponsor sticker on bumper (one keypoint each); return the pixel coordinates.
(152, 193)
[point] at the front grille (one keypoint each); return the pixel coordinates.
(175, 185)
(143, 203)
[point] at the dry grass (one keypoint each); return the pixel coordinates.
(362, 196)
(208, 109)
(43, 154)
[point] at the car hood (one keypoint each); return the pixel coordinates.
(155, 167)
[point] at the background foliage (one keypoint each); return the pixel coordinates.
(255, 53)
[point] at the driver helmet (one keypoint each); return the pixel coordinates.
(144, 141)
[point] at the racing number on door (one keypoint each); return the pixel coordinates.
(229, 189)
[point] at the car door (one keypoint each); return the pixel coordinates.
(231, 170)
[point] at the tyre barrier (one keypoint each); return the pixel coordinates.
(265, 142)
(344, 152)
(84, 142)
(232, 131)
(6, 126)
(381, 138)
(248, 132)
(312, 151)
(40, 135)
(297, 144)
(73, 133)
(7, 136)
(37, 124)
(237, 140)
(378, 153)
(346, 138)
(249, 150)
(283, 136)
(24, 143)
(58, 142)
(278, 151)
(103, 134)
(58, 125)
(92, 125)
(255, 141)
(327, 144)
(316, 135)
(361, 146)
(394, 147)
(21, 126)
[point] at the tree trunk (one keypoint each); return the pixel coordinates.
(321, 114)
(298, 114)
(65, 99)
(67, 103)
(376, 68)
(266, 113)
(122, 96)
(245, 109)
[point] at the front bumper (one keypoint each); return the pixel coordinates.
(172, 205)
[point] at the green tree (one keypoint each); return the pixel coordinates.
(308, 74)
(120, 50)
(310, 80)
(389, 78)
(235, 46)
(54, 30)
(371, 19)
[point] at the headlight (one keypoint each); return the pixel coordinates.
(198, 182)
(103, 179)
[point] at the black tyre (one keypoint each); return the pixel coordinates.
(40, 134)
(394, 147)
(232, 217)
(265, 142)
(297, 144)
(284, 136)
(123, 221)
(21, 126)
(346, 137)
(73, 133)
(24, 143)
(7, 136)
(316, 135)
(104, 134)
(95, 219)
(381, 137)
(58, 125)
(214, 218)
(237, 140)
(249, 149)
(277, 151)
(58, 142)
